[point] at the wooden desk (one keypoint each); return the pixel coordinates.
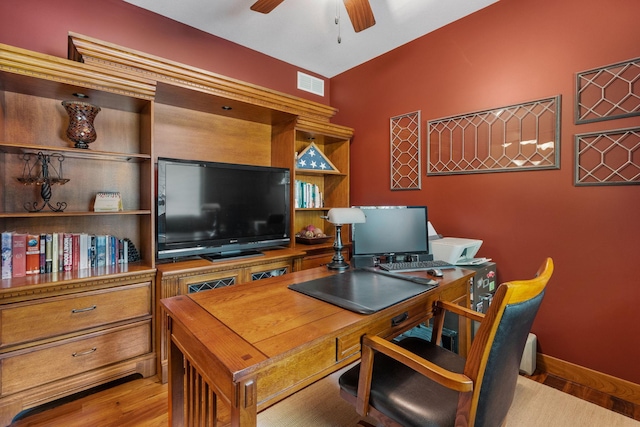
(249, 346)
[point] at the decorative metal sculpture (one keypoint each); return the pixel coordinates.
(31, 176)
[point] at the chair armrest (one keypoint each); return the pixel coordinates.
(449, 379)
(460, 310)
(371, 343)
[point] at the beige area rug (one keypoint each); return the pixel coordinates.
(535, 405)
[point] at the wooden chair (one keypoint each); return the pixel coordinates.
(419, 383)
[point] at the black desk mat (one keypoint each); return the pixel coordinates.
(360, 291)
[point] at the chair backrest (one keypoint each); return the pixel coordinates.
(494, 358)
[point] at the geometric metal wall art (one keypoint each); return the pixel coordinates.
(405, 152)
(518, 137)
(609, 92)
(608, 158)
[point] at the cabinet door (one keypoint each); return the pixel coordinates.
(204, 282)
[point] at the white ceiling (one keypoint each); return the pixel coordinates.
(304, 33)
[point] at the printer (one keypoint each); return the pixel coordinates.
(457, 251)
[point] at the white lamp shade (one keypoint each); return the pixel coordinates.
(345, 216)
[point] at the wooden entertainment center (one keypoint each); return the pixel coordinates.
(64, 332)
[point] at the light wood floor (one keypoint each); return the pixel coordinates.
(143, 403)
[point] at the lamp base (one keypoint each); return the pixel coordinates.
(340, 265)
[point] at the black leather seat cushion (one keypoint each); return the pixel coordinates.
(412, 400)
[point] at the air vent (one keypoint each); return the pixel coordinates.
(310, 84)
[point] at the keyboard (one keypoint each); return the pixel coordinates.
(400, 267)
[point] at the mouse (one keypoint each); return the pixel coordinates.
(435, 272)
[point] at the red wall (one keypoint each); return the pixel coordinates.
(511, 52)
(43, 26)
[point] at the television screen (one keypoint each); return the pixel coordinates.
(223, 209)
(391, 230)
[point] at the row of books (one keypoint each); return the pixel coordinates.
(307, 195)
(26, 254)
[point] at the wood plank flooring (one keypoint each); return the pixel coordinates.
(143, 403)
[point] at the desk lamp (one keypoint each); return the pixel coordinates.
(340, 217)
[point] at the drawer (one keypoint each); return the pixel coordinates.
(33, 320)
(51, 362)
(313, 261)
(386, 327)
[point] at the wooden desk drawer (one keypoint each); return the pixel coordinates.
(23, 369)
(388, 326)
(40, 319)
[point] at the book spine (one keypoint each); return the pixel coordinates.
(7, 255)
(43, 252)
(60, 251)
(67, 245)
(54, 252)
(84, 251)
(48, 263)
(75, 259)
(101, 251)
(19, 255)
(33, 254)
(92, 251)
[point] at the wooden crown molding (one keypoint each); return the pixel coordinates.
(100, 53)
(17, 62)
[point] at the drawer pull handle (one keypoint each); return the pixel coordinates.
(399, 319)
(84, 353)
(82, 310)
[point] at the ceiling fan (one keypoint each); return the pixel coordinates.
(359, 11)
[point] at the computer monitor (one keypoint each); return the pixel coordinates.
(391, 230)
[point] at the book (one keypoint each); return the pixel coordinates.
(101, 251)
(84, 251)
(67, 251)
(43, 252)
(54, 252)
(48, 263)
(33, 254)
(7, 254)
(19, 249)
(75, 258)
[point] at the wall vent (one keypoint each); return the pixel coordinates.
(310, 84)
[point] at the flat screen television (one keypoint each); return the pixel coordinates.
(391, 230)
(220, 210)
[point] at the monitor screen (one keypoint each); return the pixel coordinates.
(391, 230)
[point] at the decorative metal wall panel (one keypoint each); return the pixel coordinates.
(609, 92)
(405, 152)
(518, 137)
(608, 158)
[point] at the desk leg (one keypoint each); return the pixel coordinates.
(176, 386)
(244, 412)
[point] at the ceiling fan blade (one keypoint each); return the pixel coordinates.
(360, 14)
(265, 6)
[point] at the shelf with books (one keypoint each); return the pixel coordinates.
(33, 121)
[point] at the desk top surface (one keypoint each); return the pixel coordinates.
(263, 319)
